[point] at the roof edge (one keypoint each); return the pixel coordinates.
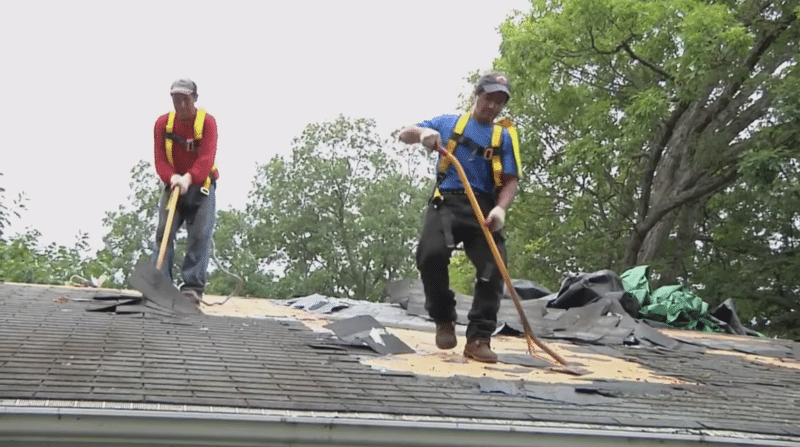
(88, 427)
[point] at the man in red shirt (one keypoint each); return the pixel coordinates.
(185, 147)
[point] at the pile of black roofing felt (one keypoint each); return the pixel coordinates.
(592, 308)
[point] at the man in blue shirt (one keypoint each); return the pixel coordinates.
(450, 218)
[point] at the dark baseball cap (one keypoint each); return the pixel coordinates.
(184, 86)
(493, 82)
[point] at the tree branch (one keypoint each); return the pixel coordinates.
(626, 47)
(654, 157)
(727, 177)
(762, 44)
(647, 64)
(745, 118)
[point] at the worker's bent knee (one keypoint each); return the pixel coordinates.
(433, 261)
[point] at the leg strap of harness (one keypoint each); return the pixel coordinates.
(447, 226)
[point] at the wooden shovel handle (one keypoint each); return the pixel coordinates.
(529, 336)
(171, 205)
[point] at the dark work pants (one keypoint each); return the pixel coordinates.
(433, 257)
(199, 229)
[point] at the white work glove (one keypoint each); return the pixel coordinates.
(496, 219)
(430, 138)
(174, 180)
(182, 181)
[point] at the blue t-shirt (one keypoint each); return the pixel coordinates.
(478, 169)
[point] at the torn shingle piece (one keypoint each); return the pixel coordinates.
(523, 359)
(110, 305)
(318, 303)
(564, 393)
(645, 332)
(491, 385)
(365, 330)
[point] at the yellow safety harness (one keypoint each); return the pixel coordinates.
(494, 152)
(199, 121)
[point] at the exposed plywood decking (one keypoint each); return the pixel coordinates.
(431, 361)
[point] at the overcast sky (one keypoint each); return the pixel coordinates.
(84, 81)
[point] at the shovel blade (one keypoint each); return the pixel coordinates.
(157, 287)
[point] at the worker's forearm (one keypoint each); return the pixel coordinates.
(507, 192)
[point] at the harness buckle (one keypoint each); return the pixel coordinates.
(488, 153)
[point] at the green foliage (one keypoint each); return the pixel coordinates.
(233, 254)
(9, 211)
(340, 217)
(23, 259)
(132, 227)
(751, 250)
(634, 117)
(462, 273)
(4, 212)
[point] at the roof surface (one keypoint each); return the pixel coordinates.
(53, 352)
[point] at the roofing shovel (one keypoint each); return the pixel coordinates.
(155, 285)
(570, 368)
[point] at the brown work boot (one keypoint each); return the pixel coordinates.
(446, 335)
(193, 295)
(480, 350)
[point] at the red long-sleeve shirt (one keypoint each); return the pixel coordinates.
(197, 162)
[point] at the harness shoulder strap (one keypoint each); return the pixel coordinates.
(512, 132)
(199, 122)
(497, 142)
(444, 163)
(168, 141)
(452, 143)
(497, 159)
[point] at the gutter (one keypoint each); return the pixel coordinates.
(48, 425)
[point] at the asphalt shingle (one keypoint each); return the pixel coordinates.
(52, 348)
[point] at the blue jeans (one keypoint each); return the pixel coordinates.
(199, 222)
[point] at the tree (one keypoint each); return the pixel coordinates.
(340, 217)
(132, 227)
(634, 115)
(233, 256)
(7, 212)
(4, 212)
(752, 249)
(23, 258)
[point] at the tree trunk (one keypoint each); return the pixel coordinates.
(656, 238)
(683, 244)
(696, 153)
(631, 257)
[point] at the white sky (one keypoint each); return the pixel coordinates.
(83, 82)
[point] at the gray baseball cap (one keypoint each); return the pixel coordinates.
(493, 82)
(184, 86)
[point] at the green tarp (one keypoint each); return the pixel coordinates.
(672, 305)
